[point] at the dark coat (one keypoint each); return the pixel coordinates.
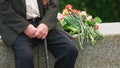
(13, 18)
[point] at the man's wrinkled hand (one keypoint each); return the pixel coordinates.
(30, 31)
(42, 31)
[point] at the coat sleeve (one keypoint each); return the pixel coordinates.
(10, 18)
(50, 17)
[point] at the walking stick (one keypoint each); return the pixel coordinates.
(46, 53)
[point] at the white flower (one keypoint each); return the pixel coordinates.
(60, 16)
(83, 13)
(89, 18)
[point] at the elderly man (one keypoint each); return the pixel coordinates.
(26, 23)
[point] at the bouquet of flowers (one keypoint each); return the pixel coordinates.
(79, 22)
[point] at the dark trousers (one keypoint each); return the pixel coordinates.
(59, 44)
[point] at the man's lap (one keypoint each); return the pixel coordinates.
(55, 38)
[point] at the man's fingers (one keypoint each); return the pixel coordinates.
(41, 34)
(42, 31)
(44, 37)
(30, 31)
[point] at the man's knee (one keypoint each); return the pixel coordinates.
(71, 49)
(24, 55)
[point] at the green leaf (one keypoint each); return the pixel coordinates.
(91, 23)
(97, 19)
(63, 23)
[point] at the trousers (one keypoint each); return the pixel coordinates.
(59, 43)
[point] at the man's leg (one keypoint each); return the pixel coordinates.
(23, 51)
(62, 48)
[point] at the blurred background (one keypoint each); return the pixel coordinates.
(107, 10)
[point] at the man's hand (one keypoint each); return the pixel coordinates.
(42, 31)
(30, 31)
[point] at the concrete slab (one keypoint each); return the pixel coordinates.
(109, 28)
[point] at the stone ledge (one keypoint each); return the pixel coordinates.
(104, 55)
(109, 28)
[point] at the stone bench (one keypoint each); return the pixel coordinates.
(105, 55)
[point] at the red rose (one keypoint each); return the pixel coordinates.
(96, 27)
(68, 7)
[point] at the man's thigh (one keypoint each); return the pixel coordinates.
(59, 42)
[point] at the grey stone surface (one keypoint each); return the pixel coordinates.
(105, 55)
(6, 57)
